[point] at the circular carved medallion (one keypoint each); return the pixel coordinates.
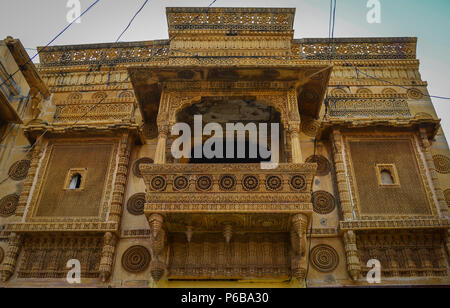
(158, 183)
(2, 254)
(227, 182)
(136, 203)
(180, 182)
(144, 160)
(273, 182)
(447, 196)
(19, 170)
(414, 94)
(310, 127)
(204, 182)
(136, 259)
(324, 258)
(250, 182)
(442, 163)
(324, 202)
(298, 182)
(8, 205)
(323, 165)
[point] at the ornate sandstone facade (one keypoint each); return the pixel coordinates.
(87, 172)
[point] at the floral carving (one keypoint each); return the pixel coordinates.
(227, 182)
(323, 202)
(250, 183)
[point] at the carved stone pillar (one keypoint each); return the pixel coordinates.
(298, 246)
(157, 247)
(107, 258)
(341, 177)
(12, 253)
(351, 253)
(297, 157)
(121, 178)
(36, 155)
(442, 204)
(160, 154)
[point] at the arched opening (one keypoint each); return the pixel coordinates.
(75, 181)
(386, 177)
(247, 111)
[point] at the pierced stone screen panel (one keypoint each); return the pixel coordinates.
(407, 198)
(58, 200)
(250, 255)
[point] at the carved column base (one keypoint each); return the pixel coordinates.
(158, 245)
(12, 253)
(351, 253)
(298, 246)
(106, 261)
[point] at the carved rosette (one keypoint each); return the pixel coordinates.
(8, 266)
(351, 253)
(136, 204)
(323, 202)
(136, 259)
(19, 170)
(8, 205)
(323, 165)
(324, 258)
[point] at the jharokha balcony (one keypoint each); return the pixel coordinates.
(201, 207)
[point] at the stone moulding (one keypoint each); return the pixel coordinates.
(395, 224)
(62, 227)
(283, 199)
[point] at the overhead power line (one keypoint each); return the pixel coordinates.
(131, 21)
(49, 43)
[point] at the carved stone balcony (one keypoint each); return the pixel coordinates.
(224, 208)
(200, 190)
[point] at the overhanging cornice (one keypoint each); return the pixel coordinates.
(311, 82)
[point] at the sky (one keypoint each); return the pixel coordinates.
(36, 22)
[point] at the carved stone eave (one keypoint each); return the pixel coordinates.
(32, 132)
(430, 126)
(7, 112)
(26, 66)
(310, 81)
